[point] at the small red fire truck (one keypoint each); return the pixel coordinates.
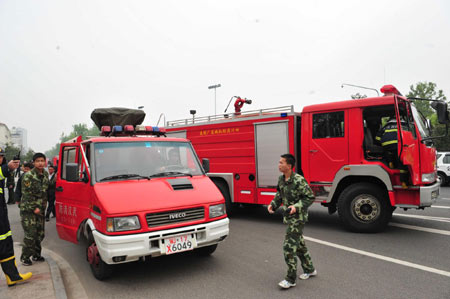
(335, 147)
(132, 193)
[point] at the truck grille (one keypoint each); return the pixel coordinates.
(177, 216)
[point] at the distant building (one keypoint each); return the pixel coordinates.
(19, 138)
(5, 135)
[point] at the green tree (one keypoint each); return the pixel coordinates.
(425, 90)
(77, 130)
(428, 90)
(357, 96)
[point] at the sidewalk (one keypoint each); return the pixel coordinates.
(51, 279)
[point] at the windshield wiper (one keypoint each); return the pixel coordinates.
(124, 176)
(170, 173)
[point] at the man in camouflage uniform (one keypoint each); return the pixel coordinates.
(294, 193)
(32, 208)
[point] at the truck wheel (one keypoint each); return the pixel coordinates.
(230, 206)
(99, 268)
(207, 250)
(364, 208)
(443, 178)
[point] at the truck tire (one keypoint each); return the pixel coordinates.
(207, 250)
(230, 206)
(99, 268)
(364, 208)
(443, 178)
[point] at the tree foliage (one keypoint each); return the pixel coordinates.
(357, 96)
(77, 130)
(428, 90)
(12, 150)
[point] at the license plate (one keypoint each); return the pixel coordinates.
(179, 244)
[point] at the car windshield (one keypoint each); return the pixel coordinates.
(421, 122)
(144, 160)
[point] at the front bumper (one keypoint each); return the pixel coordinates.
(429, 194)
(134, 246)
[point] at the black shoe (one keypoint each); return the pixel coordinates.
(38, 258)
(47, 219)
(26, 262)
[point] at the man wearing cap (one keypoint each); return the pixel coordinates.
(32, 208)
(7, 258)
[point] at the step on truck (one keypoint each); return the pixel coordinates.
(133, 193)
(336, 151)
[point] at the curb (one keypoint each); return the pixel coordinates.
(58, 284)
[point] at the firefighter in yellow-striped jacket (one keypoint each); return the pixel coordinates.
(7, 258)
(387, 136)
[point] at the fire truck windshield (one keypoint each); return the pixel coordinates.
(144, 159)
(421, 122)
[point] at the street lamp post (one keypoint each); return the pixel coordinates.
(215, 88)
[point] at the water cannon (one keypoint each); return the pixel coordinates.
(238, 104)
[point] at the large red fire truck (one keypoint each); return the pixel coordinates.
(133, 193)
(335, 147)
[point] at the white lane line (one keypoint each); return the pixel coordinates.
(381, 257)
(424, 229)
(440, 219)
(441, 207)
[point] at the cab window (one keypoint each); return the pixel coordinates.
(69, 156)
(328, 125)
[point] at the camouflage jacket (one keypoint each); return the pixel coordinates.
(34, 191)
(295, 191)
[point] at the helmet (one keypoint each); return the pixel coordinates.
(2, 152)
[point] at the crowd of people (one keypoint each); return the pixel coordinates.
(31, 186)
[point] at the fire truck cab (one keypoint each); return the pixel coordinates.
(336, 151)
(133, 193)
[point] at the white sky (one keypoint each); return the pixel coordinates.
(60, 59)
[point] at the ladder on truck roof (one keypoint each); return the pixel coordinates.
(229, 116)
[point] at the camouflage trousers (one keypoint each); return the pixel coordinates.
(294, 246)
(34, 232)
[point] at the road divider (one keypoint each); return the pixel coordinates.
(381, 257)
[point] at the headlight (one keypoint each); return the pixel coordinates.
(120, 224)
(429, 177)
(216, 211)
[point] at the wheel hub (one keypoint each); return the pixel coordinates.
(365, 208)
(92, 253)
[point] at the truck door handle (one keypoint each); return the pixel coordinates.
(60, 189)
(313, 151)
(407, 145)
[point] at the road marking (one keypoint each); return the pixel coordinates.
(424, 229)
(441, 207)
(381, 257)
(440, 219)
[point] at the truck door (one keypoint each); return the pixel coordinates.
(328, 149)
(72, 197)
(408, 145)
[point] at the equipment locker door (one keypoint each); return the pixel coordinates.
(271, 141)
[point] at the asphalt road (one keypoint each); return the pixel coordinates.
(411, 259)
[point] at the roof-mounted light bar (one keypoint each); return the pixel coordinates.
(129, 130)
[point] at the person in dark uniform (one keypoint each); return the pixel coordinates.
(10, 185)
(51, 193)
(7, 258)
(387, 136)
(27, 166)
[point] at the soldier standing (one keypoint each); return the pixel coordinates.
(32, 208)
(294, 193)
(7, 258)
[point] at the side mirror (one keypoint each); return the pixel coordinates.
(441, 108)
(205, 164)
(72, 172)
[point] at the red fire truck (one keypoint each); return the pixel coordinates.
(335, 147)
(132, 193)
